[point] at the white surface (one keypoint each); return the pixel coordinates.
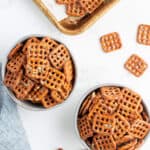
(55, 128)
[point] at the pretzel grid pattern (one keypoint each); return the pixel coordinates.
(59, 56)
(143, 35)
(139, 129)
(90, 5)
(103, 124)
(85, 128)
(104, 142)
(51, 44)
(111, 42)
(136, 65)
(121, 126)
(56, 96)
(15, 64)
(54, 79)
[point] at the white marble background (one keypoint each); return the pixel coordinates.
(55, 128)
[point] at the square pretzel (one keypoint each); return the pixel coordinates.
(51, 44)
(121, 126)
(103, 142)
(23, 88)
(136, 65)
(85, 128)
(56, 96)
(139, 129)
(143, 35)
(11, 80)
(54, 79)
(59, 56)
(48, 102)
(75, 9)
(37, 68)
(38, 50)
(15, 64)
(103, 124)
(37, 94)
(111, 42)
(91, 5)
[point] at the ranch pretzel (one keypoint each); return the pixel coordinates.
(85, 128)
(75, 9)
(11, 80)
(23, 88)
(103, 124)
(15, 64)
(139, 129)
(68, 70)
(54, 79)
(51, 44)
(90, 5)
(59, 56)
(143, 35)
(37, 68)
(104, 142)
(121, 126)
(16, 49)
(136, 65)
(28, 42)
(111, 42)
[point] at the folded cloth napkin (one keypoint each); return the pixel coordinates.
(12, 133)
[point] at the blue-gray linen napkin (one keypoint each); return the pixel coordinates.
(12, 133)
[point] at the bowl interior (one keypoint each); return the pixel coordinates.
(25, 104)
(85, 145)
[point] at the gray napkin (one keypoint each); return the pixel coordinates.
(12, 133)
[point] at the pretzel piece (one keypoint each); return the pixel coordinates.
(111, 42)
(111, 93)
(15, 50)
(15, 64)
(23, 88)
(125, 139)
(59, 56)
(54, 79)
(56, 96)
(37, 68)
(143, 35)
(75, 9)
(104, 142)
(136, 65)
(139, 129)
(51, 44)
(90, 5)
(62, 1)
(37, 50)
(85, 128)
(121, 126)
(48, 102)
(68, 70)
(11, 80)
(37, 94)
(28, 42)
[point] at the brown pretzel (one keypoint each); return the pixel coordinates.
(136, 65)
(111, 42)
(56, 96)
(23, 88)
(59, 56)
(14, 51)
(51, 44)
(139, 129)
(15, 64)
(85, 128)
(11, 80)
(90, 5)
(103, 142)
(143, 35)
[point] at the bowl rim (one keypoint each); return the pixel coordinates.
(22, 103)
(90, 90)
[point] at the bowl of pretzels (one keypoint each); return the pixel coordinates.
(39, 72)
(112, 117)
